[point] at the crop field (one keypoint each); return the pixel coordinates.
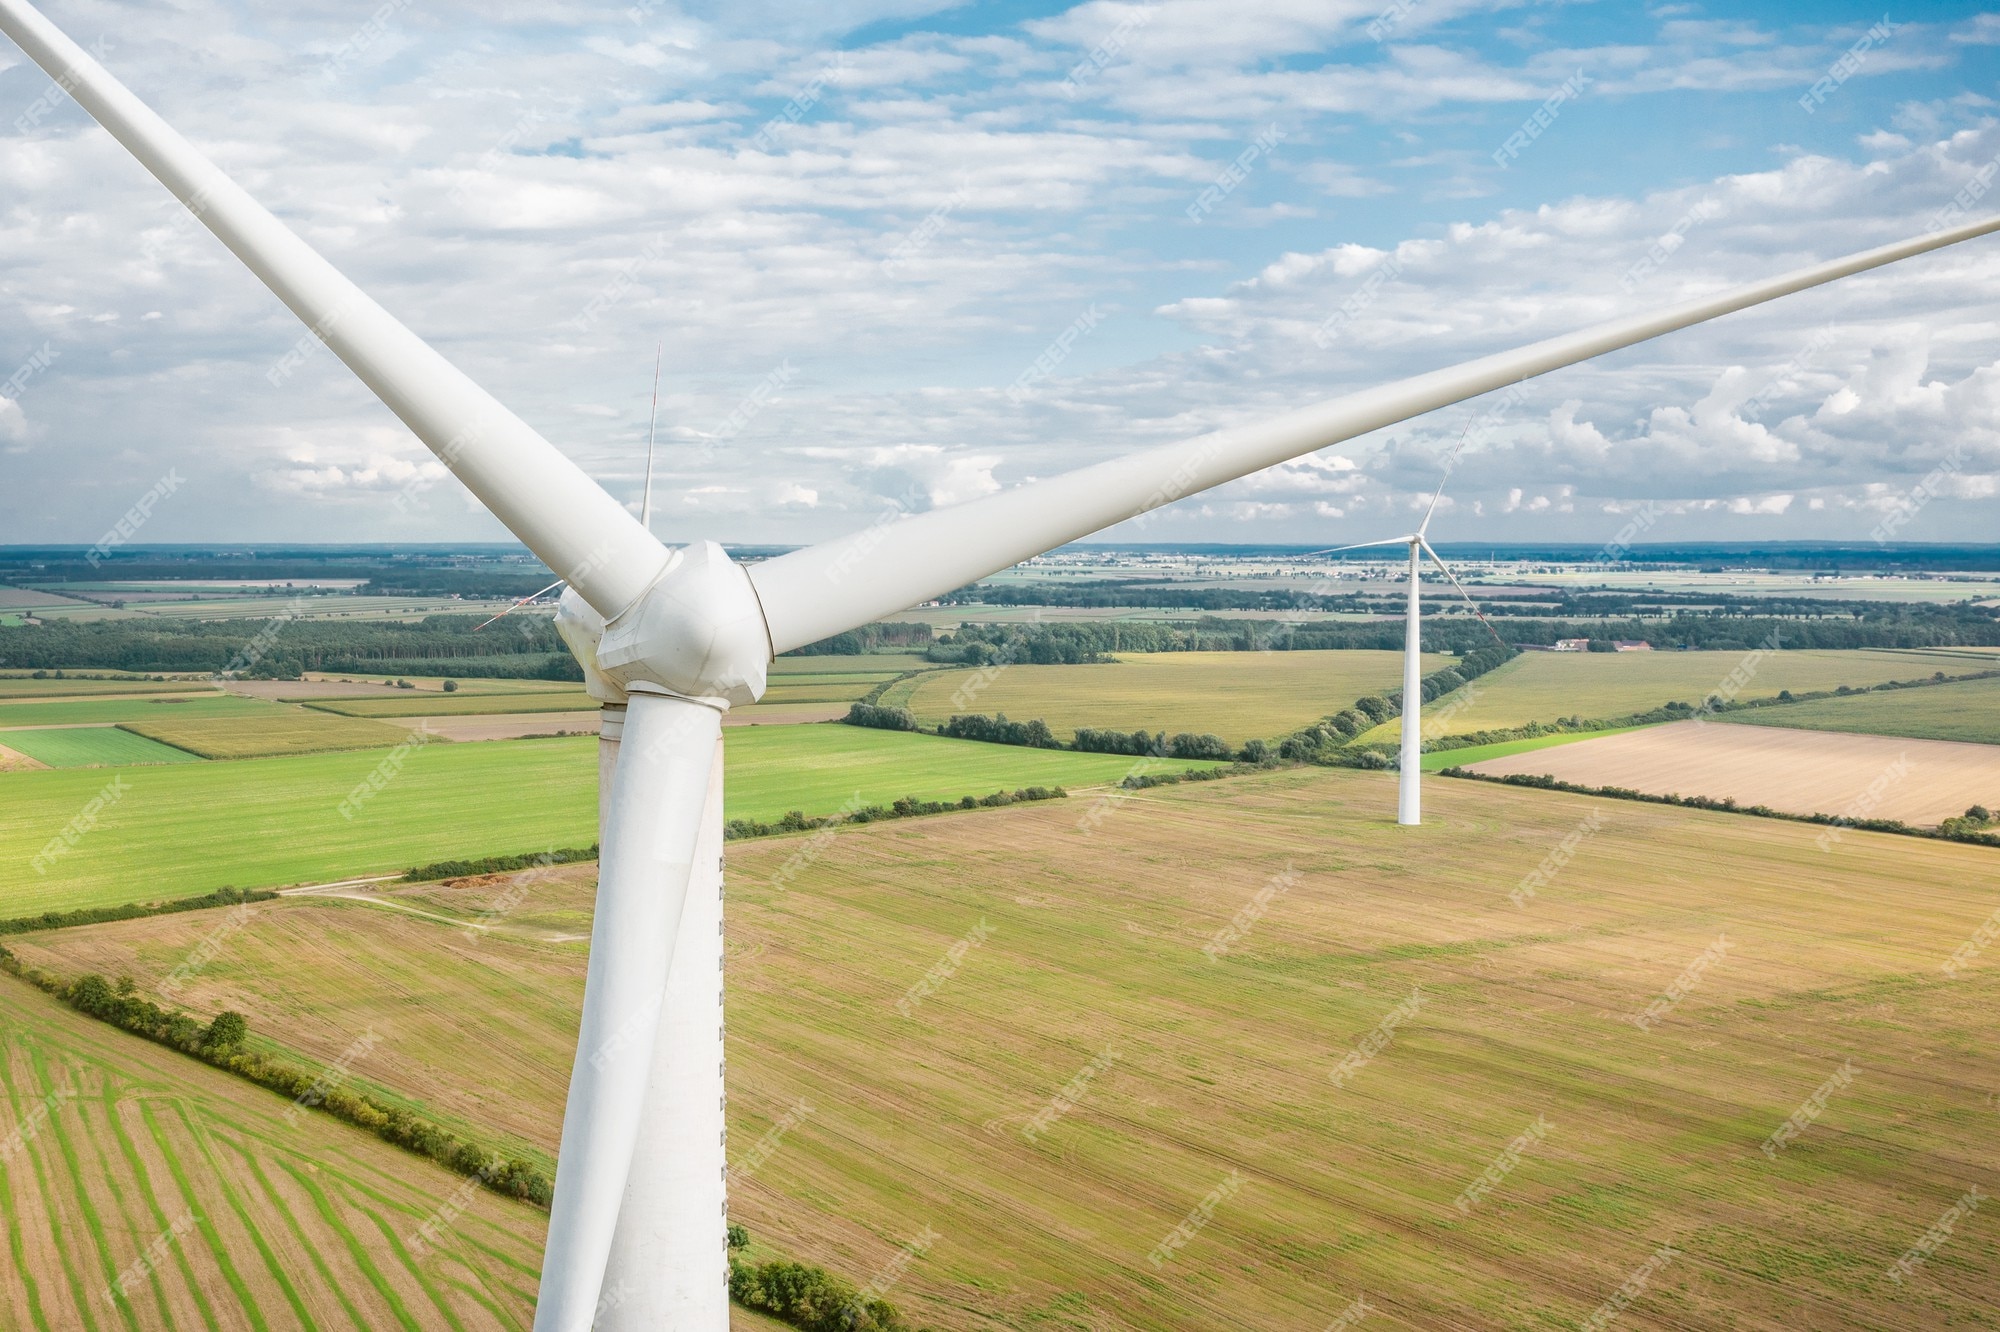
(1193, 1077)
(1799, 772)
(572, 699)
(268, 1224)
(1967, 711)
(1544, 686)
(280, 731)
(84, 712)
(1236, 695)
(93, 747)
(26, 686)
(191, 829)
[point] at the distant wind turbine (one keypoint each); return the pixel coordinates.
(1409, 799)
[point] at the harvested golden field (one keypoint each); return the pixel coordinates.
(1201, 1084)
(1236, 695)
(1545, 686)
(1799, 772)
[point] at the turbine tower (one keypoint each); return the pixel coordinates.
(1409, 792)
(675, 637)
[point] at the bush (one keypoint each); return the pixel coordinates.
(1255, 751)
(451, 686)
(1374, 707)
(229, 1030)
(997, 730)
(1090, 740)
(880, 718)
(1186, 746)
(809, 1297)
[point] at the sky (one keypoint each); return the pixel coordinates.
(902, 253)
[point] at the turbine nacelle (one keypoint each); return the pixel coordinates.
(697, 632)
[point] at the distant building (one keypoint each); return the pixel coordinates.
(1571, 645)
(1632, 645)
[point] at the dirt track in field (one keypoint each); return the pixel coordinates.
(1799, 772)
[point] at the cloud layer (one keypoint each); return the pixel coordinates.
(896, 256)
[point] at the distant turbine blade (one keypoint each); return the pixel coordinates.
(652, 424)
(1360, 545)
(1450, 461)
(1445, 569)
(544, 499)
(522, 602)
(652, 834)
(839, 585)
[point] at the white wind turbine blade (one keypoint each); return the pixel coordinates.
(1472, 605)
(580, 532)
(656, 823)
(1451, 461)
(1360, 545)
(557, 511)
(652, 426)
(825, 589)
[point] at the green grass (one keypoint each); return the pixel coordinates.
(1545, 686)
(283, 730)
(1236, 695)
(88, 710)
(25, 686)
(194, 828)
(461, 704)
(1448, 758)
(1968, 711)
(93, 747)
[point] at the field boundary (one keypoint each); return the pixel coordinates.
(1729, 805)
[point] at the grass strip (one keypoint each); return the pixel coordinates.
(209, 1233)
(235, 1205)
(144, 1181)
(372, 1274)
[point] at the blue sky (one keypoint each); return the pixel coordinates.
(859, 228)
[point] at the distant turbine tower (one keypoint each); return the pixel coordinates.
(1409, 796)
(670, 639)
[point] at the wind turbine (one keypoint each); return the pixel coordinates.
(669, 639)
(1409, 796)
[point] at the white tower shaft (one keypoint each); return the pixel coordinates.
(669, 1267)
(1409, 801)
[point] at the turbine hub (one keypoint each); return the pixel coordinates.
(697, 632)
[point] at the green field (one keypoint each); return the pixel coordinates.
(1095, 943)
(1968, 711)
(26, 686)
(460, 704)
(191, 829)
(1236, 695)
(1437, 759)
(1545, 686)
(83, 711)
(88, 747)
(282, 730)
